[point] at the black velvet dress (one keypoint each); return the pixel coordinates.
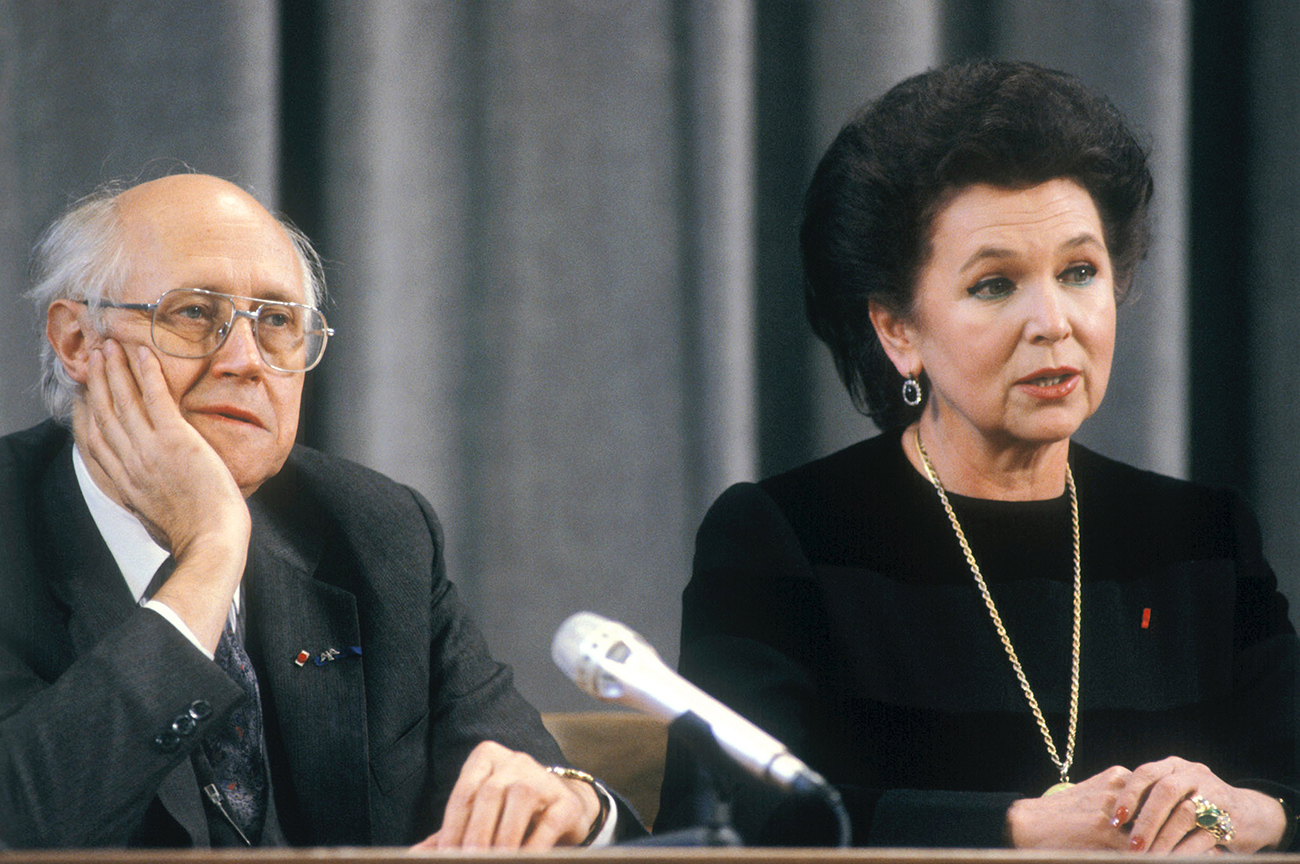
(833, 606)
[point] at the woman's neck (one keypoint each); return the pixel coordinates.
(976, 467)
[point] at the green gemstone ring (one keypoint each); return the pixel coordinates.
(1213, 819)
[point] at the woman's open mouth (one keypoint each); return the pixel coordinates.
(1050, 383)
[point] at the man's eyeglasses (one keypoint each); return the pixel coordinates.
(194, 322)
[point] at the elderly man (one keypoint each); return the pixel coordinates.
(207, 634)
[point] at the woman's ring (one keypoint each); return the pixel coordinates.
(1213, 819)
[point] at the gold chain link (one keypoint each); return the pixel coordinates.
(1062, 766)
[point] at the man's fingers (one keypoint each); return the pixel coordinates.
(155, 398)
(125, 390)
(428, 843)
(117, 412)
(118, 417)
(99, 395)
(505, 799)
(519, 811)
(105, 437)
(486, 809)
(459, 804)
(558, 820)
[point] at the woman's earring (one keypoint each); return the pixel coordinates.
(912, 391)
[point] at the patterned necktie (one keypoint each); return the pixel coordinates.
(235, 750)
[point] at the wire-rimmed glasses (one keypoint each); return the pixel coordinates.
(195, 322)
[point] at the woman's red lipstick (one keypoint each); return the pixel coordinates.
(1056, 383)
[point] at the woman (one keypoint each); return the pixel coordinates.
(969, 611)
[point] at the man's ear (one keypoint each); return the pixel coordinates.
(71, 337)
(896, 337)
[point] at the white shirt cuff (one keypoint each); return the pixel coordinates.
(167, 612)
(606, 835)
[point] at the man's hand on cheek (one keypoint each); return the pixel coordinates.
(161, 468)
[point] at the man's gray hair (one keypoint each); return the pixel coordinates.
(83, 256)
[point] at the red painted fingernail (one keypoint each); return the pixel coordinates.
(1137, 843)
(1121, 817)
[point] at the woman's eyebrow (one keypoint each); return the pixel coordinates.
(984, 253)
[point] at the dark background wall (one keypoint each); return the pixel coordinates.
(561, 243)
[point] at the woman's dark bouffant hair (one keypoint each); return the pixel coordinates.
(874, 197)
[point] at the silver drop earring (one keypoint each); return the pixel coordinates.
(912, 391)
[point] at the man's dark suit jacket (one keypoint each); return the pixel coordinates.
(363, 751)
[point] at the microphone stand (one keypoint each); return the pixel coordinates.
(717, 779)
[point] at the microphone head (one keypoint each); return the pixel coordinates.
(584, 642)
(568, 645)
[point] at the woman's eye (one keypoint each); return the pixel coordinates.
(999, 286)
(1079, 274)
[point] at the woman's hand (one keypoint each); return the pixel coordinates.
(1156, 807)
(1147, 809)
(1080, 817)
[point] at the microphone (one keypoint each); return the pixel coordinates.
(613, 663)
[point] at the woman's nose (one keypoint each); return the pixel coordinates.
(1048, 320)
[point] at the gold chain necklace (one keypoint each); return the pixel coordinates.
(1062, 765)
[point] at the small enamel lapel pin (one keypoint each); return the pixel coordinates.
(326, 656)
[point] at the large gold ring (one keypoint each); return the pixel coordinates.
(1214, 819)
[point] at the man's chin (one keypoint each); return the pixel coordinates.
(251, 460)
(250, 478)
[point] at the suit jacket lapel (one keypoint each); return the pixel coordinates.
(85, 578)
(82, 573)
(319, 712)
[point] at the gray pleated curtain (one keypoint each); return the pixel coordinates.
(561, 243)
